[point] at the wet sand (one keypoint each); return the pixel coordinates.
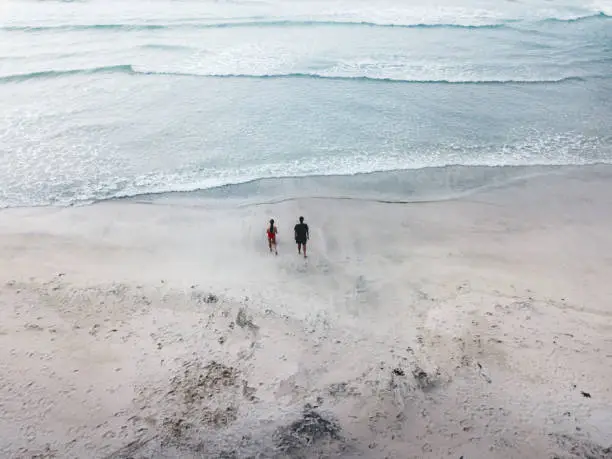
(475, 327)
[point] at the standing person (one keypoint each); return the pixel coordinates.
(301, 235)
(272, 231)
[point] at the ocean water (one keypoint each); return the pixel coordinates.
(101, 99)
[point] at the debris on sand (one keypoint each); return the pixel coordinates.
(201, 399)
(206, 298)
(248, 392)
(211, 298)
(483, 373)
(194, 393)
(580, 448)
(199, 384)
(342, 389)
(93, 331)
(311, 428)
(242, 320)
(424, 381)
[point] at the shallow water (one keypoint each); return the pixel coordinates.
(111, 99)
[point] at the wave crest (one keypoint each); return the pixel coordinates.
(130, 70)
(286, 23)
(45, 74)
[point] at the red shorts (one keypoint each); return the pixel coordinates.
(271, 237)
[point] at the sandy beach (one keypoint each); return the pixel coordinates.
(478, 327)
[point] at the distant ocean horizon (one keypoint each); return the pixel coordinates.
(108, 99)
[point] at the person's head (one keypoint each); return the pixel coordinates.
(271, 224)
(301, 219)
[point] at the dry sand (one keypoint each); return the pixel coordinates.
(476, 328)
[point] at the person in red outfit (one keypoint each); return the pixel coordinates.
(272, 231)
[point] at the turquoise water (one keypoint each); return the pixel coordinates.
(106, 99)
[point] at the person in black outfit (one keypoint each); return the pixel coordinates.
(301, 235)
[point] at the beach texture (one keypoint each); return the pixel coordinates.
(452, 159)
(472, 327)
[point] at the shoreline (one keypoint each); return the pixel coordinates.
(414, 185)
(463, 327)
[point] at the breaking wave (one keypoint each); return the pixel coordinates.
(286, 23)
(130, 70)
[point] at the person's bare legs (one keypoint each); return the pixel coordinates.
(300, 246)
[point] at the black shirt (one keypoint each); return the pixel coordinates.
(301, 232)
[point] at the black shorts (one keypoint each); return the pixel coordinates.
(300, 241)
